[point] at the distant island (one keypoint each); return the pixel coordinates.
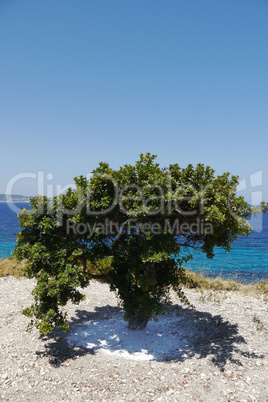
(14, 198)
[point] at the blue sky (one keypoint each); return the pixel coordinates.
(89, 81)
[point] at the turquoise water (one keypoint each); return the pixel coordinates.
(247, 261)
(9, 227)
(6, 249)
(245, 264)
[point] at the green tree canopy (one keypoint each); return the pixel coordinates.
(143, 219)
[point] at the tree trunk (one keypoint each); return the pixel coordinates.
(138, 321)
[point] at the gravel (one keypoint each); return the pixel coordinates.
(217, 352)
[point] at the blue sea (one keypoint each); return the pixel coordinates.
(9, 226)
(246, 262)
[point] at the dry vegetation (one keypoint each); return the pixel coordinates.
(201, 282)
(10, 267)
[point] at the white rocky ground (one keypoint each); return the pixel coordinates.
(217, 352)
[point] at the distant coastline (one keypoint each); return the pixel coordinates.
(14, 198)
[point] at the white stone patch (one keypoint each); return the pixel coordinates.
(158, 341)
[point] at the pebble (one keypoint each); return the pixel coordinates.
(223, 362)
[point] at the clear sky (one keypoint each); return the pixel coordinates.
(105, 80)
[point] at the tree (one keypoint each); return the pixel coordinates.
(143, 221)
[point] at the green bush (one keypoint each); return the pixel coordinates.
(134, 222)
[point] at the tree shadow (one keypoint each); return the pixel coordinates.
(58, 350)
(188, 333)
(211, 336)
(57, 347)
